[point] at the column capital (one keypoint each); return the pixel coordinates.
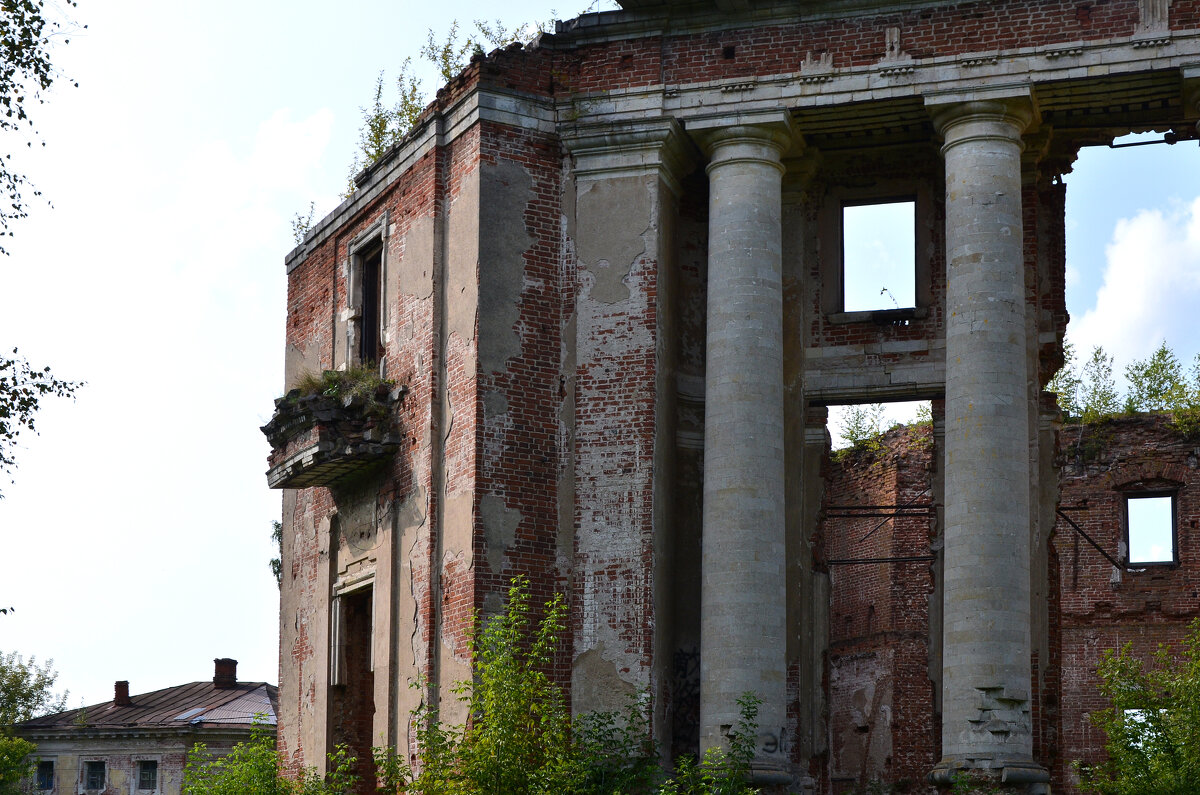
(772, 128)
(604, 150)
(973, 115)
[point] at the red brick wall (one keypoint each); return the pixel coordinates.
(881, 720)
(1100, 609)
(857, 41)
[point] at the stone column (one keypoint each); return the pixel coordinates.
(743, 600)
(986, 724)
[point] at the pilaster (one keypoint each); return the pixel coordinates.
(621, 208)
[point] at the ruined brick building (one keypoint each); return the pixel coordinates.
(605, 272)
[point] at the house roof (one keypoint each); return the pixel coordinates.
(196, 705)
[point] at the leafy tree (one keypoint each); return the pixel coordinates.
(1156, 383)
(22, 388)
(1098, 390)
(26, 73)
(1066, 383)
(26, 691)
(863, 428)
(1153, 725)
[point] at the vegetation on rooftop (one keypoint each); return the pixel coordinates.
(357, 382)
(1157, 383)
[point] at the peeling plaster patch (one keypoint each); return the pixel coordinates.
(495, 403)
(297, 361)
(606, 246)
(414, 272)
(462, 288)
(597, 685)
(499, 529)
(505, 190)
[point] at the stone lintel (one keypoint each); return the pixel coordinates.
(606, 150)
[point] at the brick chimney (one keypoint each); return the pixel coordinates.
(224, 673)
(121, 694)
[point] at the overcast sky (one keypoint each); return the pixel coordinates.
(137, 535)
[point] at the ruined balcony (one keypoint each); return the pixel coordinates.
(326, 437)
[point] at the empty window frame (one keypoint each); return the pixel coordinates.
(368, 328)
(879, 254)
(45, 775)
(93, 775)
(148, 774)
(1150, 528)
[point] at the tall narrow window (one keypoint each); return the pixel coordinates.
(93, 775)
(879, 255)
(148, 774)
(45, 775)
(370, 262)
(1150, 528)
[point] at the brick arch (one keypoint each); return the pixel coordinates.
(1148, 473)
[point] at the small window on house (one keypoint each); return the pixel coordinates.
(148, 774)
(93, 775)
(879, 253)
(1150, 528)
(368, 303)
(45, 775)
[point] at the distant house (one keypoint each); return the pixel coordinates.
(138, 745)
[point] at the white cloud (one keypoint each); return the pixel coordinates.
(1151, 287)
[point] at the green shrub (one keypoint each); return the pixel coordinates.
(253, 767)
(522, 740)
(1153, 724)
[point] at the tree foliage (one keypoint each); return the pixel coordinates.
(1066, 383)
(26, 74)
(253, 767)
(277, 562)
(26, 691)
(1098, 389)
(1153, 723)
(22, 388)
(15, 763)
(1156, 383)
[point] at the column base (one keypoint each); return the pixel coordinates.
(770, 774)
(986, 774)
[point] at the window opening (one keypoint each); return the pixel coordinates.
(879, 254)
(93, 775)
(148, 774)
(45, 775)
(1150, 528)
(369, 331)
(352, 699)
